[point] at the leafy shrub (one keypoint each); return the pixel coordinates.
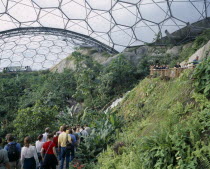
(202, 77)
(105, 129)
(32, 121)
(117, 77)
(117, 147)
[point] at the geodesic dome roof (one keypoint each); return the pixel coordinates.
(26, 38)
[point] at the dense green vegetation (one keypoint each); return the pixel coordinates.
(22, 93)
(202, 77)
(39, 99)
(167, 126)
(33, 101)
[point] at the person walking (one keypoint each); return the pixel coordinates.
(29, 158)
(39, 145)
(14, 150)
(55, 141)
(88, 129)
(74, 141)
(48, 153)
(63, 141)
(4, 160)
(47, 131)
(84, 134)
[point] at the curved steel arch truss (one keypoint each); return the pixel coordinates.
(66, 34)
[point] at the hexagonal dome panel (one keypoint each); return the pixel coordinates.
(74, 9)
(5, 62)
(22, 11)
(43, 50)
(104, 5)
(3, 5)
(7, 22)
(46, 43)
(189, 12)
(39, 58)
(29, 53)
(121, 35)
(8, 45)
(47, 3)
(100, 21)
(125, 14)
(17, 57)
(154, 12)
(146, 31)
(79, 27)
(46, 17)
(19, 49)
(33, 45)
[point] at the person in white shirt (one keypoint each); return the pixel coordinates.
(47, 131)
(39, 145)
(29, 158)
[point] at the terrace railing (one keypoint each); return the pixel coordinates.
(171, 73)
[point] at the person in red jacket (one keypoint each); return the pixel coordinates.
(48, 153)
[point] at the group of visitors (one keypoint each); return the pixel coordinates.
(159, 67)
(50, 149)
(185, 65)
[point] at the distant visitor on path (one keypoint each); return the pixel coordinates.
(177, 65)
(47, 131)
(195, 61)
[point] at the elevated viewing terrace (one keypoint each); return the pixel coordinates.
(170, 73)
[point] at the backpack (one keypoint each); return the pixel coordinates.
(13, 153)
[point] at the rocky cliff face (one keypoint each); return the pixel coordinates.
(68, 63)
(200, 53)
(134, 55)
(137, 53)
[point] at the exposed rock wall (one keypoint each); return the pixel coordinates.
(200, 53)
(68, 63)
(134, 55)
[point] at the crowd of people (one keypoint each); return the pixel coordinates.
(159, 67)
(50, 150)
(186, 65)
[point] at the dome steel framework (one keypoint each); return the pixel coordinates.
(40, 33)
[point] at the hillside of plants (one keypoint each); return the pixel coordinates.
(160, 123)
(167, 125)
